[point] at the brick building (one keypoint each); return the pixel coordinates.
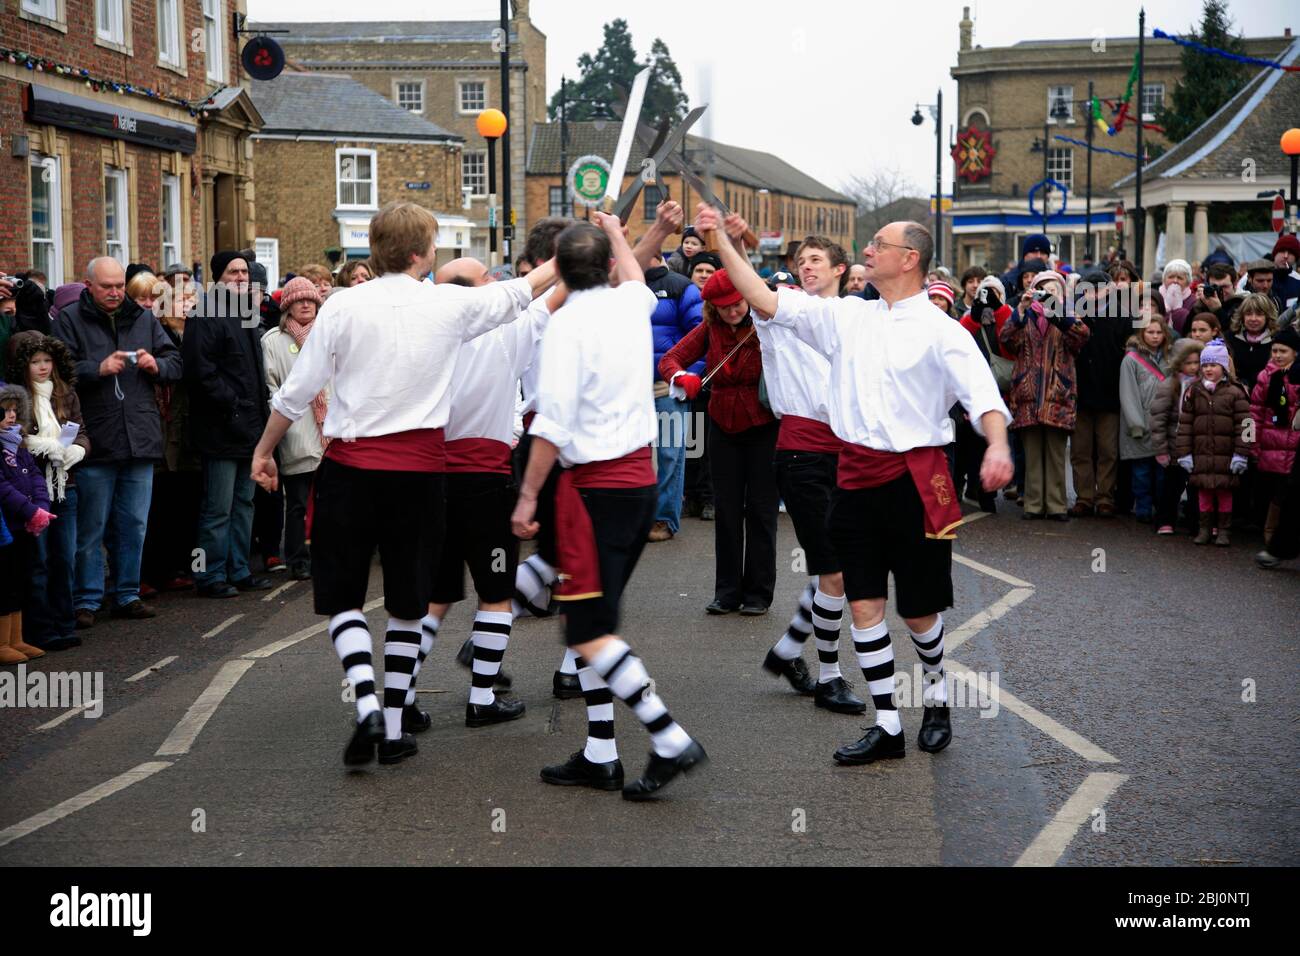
(444, 72)
(781, 203)
(1007, 93)
(330, 153)
(123, 131)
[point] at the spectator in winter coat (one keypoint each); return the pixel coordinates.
(1253, 328)
(41, 364)
(1106, 310)
(692, 245)
(1211, 443)
(1176, 294)
(1185, 367)
(1273, 403)
(742, 444)
(701, 266)
(228, 410)
(1045, 338)
(120, 353)
(680, 309)
(1144, 368)
(1286, 280)
(25, 508)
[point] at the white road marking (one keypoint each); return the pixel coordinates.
(222, 626)
(1058, 732)
(1055, 838)
(81, 801)
(991, 572)
(187, 731)
(280, 590)
(969, 628)
(68, 715)
(299, 636)
(149, 670)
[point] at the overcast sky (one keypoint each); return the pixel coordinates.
(832, 94)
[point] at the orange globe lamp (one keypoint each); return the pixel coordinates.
(491, 124)
(1291, 147)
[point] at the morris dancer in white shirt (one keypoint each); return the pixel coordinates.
(797, 378)
(480, 499)
(388, 349)
(897, 365)
(595, 414)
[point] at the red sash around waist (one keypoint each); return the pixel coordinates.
(422, 449)
(575, 539)
(806, 434)
(478, 455)
(862, 467)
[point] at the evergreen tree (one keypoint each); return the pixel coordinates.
(607, 77)
(1208, 81)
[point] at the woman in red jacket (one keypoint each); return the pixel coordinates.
(742, 443)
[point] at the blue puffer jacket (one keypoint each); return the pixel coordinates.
(680, 309)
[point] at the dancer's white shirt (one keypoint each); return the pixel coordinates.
(486, 381)
(894, 371)
(388, 349)
(595, 397)
(797, 377)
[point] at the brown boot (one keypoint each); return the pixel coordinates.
(1203, 536)
(16, 638)
(1225, 525)
(7, 654)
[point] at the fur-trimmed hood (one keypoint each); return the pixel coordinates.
(16, 394)
(26, 344)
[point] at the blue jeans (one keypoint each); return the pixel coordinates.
(225, 520)
(671, 417)
(113, 500)
(50, 612)
(1148, 484)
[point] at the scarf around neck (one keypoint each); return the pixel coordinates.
(47, 426)
(319, 404)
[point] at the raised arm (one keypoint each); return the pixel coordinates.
(668, 220)
(742, 274)
(626, 267)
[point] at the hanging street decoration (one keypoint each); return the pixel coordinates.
(973, 154)
(1225, 54)
(588, 179)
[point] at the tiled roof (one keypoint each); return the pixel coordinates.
(1247, 127)
(747, 166)
(319, 103)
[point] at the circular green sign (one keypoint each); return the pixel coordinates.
(588, 180)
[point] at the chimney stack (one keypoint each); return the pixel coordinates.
(967, 28)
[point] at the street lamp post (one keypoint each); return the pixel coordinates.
(1291, 147)
(1060, 113)
(491, 124)
(936, 113)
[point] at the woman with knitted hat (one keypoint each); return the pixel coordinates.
(42, 365)
(942, 295)
(1184, 367)
(742, 443)
(1045, 338)
(1211, 443)
(304, 444)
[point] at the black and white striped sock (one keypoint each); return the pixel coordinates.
(569, 665)
(929, 647)
(796, 635)
(532, 579)
(491, 635)
(428, 634)
(601, 747)
(827, 613)
(628, 680)
(876, 658)
(401, 651)
(351, 637)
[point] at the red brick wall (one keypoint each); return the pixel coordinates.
(14, 198)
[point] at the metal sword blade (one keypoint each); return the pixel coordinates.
(626, 201)
(631, 116)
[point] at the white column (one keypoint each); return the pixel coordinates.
(1201, 231)
(1149, 245)
(1176, 231)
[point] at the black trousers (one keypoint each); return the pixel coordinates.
(1172, 490)
(173, 528)
(297, 489)
(745, 502)
(970, 458)
(621, 519)
(268, 522)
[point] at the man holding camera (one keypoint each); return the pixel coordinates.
(1218, 294)
(121, 352)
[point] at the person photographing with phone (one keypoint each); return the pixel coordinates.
(119, 352)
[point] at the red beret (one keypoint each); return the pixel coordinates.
(719, 290)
